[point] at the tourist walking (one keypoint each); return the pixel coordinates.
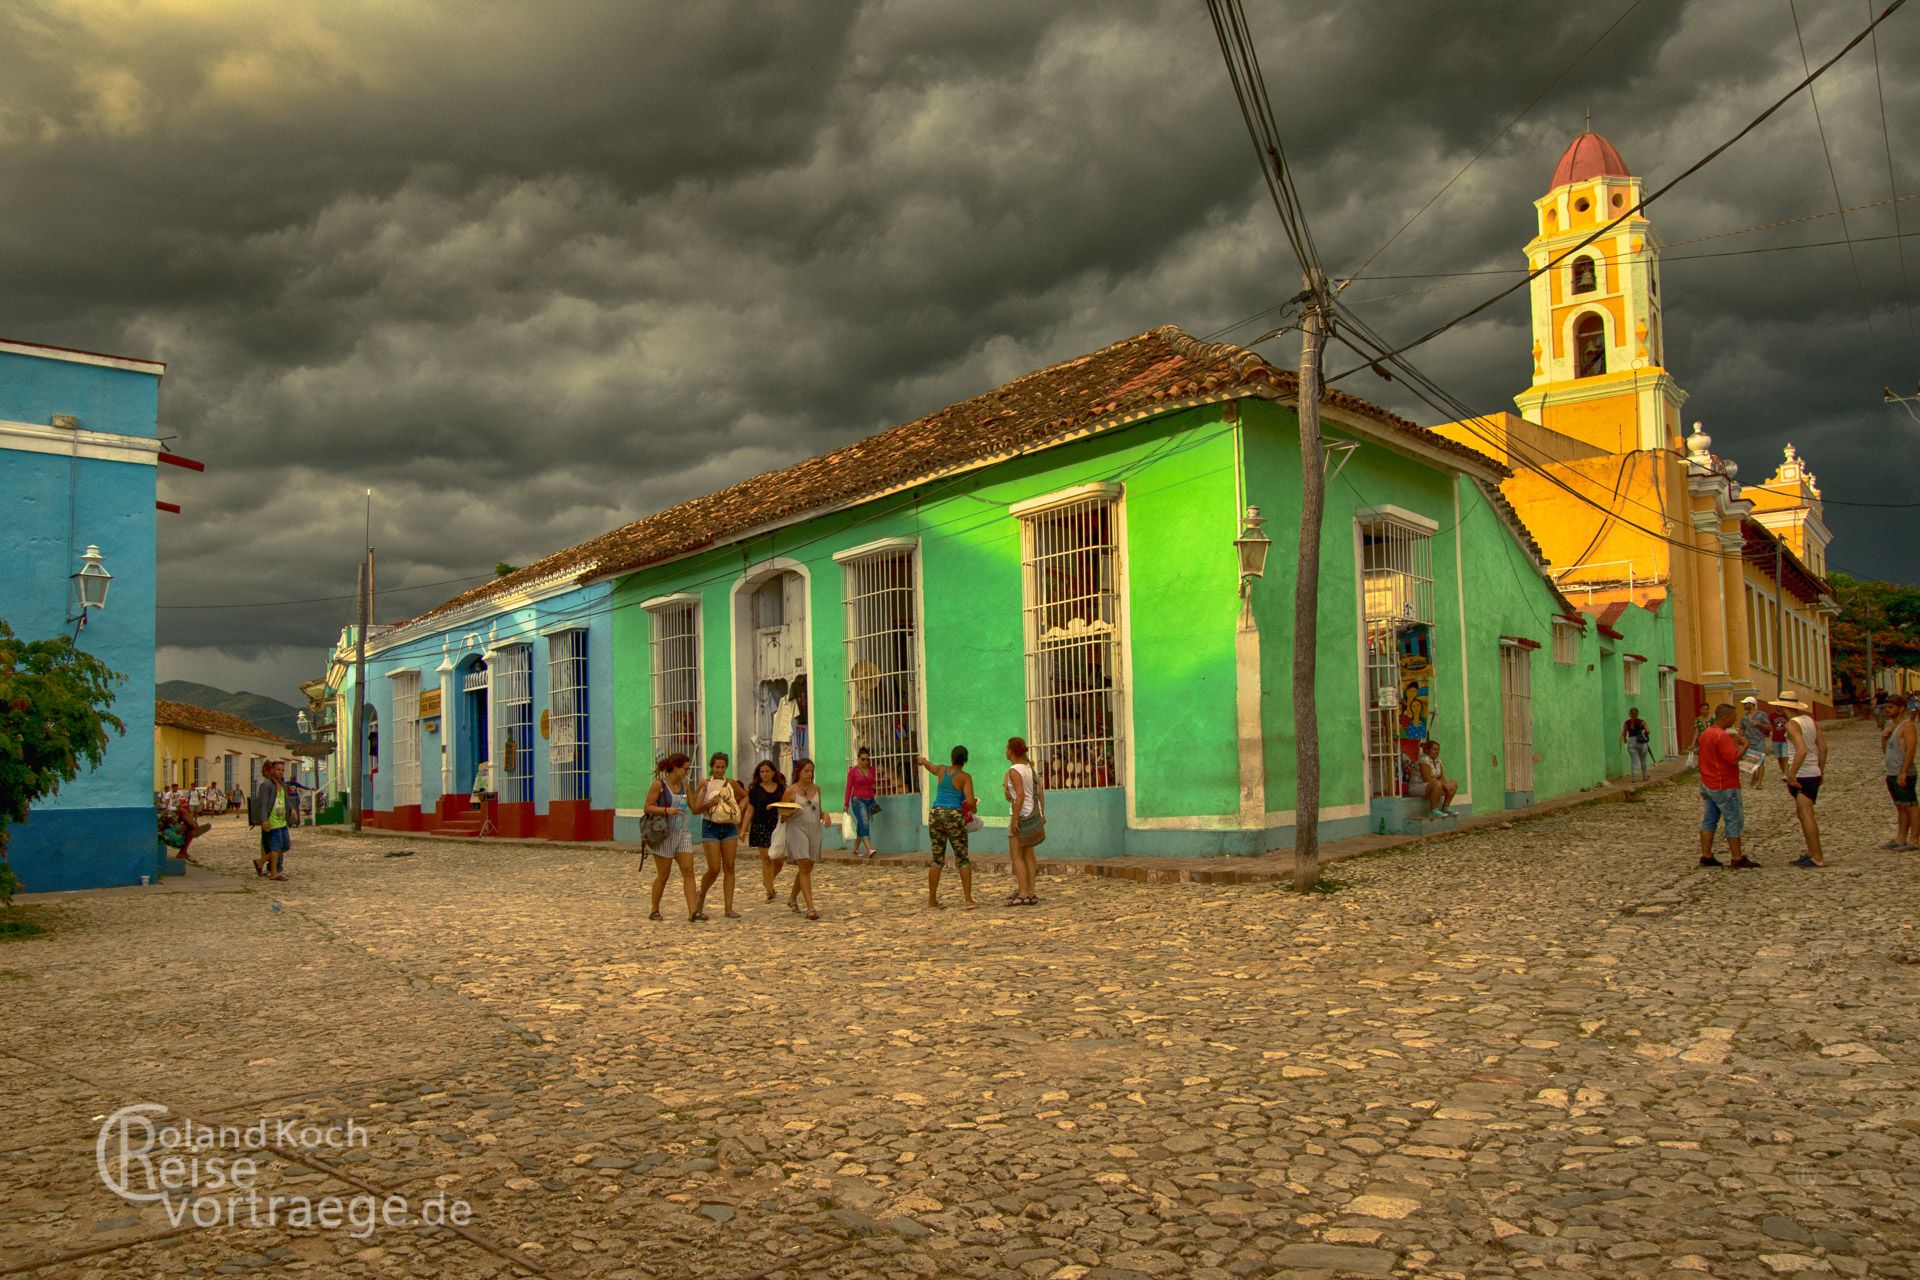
(1757, 727)
(800, 822)
(1722, 805)
(1433, 783)
(668, 832)
(767, 790)
(1777, 734)
(947, 816)
(1026, 822)
(1897, 743)
(274, 805)
(721, 803)
(860, 801)
(1639, 740)
(1804, 772)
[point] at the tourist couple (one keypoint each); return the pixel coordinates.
(1803, 768)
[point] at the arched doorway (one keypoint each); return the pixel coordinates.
(772, 644)
(472, 732)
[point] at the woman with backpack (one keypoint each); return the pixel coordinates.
(666, 834)
(721, 802)
(1026, 823)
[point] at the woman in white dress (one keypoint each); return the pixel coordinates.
(1026, 823)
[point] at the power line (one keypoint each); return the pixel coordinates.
(1893, 187)
(270, 604)
(1504, 129)
(1644, 201)
(1813, 99)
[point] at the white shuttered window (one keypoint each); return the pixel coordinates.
(513, 686)
(406, 738)
(567, 728)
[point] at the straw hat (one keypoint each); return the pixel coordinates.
(1791, 701)
(1749, 701)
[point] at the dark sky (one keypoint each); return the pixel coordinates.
(532, 270)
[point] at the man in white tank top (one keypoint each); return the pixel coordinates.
(1804, 769)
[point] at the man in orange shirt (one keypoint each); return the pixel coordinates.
(1720, 754)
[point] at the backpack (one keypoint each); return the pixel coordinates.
(656, 828)
(725, 808)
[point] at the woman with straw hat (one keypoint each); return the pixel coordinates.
(1804, 771)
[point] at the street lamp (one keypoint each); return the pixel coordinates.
(90, 584)
(1253, 546)
(304, 723)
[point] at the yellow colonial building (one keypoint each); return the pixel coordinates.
(1626, 505)
(194, 746)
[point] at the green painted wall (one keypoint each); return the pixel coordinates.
(1179, 520)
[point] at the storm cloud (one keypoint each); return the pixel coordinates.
(529, 271)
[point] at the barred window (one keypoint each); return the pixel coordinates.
(567, 736)
(676, 679)
(1071, 578)
(406, 738)
(1396, 578)
(513, 687)
(881, 593)
(1566, 643)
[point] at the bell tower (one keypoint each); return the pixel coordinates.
(1599, 345)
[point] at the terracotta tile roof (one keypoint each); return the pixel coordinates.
(184, 715)
(1154, 372)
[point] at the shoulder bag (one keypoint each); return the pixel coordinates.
(656, 828)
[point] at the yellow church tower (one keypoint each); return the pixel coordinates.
(1599, 371)
(1629, 506)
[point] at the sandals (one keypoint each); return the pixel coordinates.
(260, 866)
(813, 915)
(655, 915)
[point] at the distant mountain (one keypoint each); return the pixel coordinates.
(269, 713)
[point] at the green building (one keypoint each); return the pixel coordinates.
(1057, 559)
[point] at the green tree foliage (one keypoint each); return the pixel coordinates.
(53, 718)
(502, 569)
(1887, 609)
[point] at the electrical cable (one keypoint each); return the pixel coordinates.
(1893, 187)
(1504, 130)
(1676, 257)
(1813, 98)
(1644, 201)
(269, 604)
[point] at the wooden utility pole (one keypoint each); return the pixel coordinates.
(1306, 593)
(358, 717)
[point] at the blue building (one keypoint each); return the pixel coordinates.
(79, 442)
(493, 712)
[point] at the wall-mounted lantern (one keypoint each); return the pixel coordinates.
(1253, 546)
(90, 585)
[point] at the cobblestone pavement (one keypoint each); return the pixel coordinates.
(1552, 1050)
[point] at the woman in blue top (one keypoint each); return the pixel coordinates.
(667, 798)
(953, 803)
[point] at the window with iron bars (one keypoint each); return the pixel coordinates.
(513, 691)
(406, 738)
(567, 736)
(1396, 576)
(880, 593)
(1070, 563)
(676, 679)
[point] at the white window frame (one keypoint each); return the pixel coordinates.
(1630, 675)
(1394, 547)
(1075, 675)
(675, 652)
(881, 595)
(405, 687)
(1669, 710)
(569, 728)
(1566, 643)
(511, 669)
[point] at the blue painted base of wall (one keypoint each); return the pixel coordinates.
(60, 849)
(1518, 799)
(1408, 816)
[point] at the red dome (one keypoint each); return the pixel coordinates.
(1588, 156)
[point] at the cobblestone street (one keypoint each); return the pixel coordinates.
(1555, 1049)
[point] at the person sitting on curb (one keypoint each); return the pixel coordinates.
(1434, 783)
